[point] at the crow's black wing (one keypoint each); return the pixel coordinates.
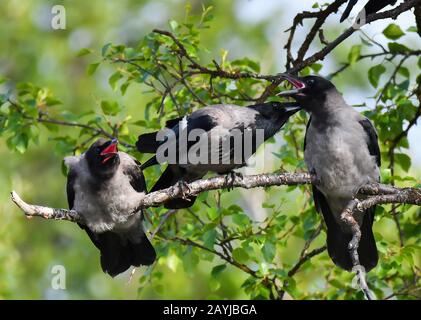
(71, 178)
(135, 174)
(305, 137)
(147, 142)
(374, 6)
(372, 139)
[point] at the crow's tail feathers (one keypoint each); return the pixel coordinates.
(338, 240)
(348, 10)
(118, 254)
(147, 143)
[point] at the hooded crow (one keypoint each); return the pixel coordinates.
(341, 150)
(371, 7)
(105, 186)
(219, 124)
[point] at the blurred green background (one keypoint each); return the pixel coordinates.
(30, 50)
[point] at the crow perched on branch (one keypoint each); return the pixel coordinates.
(342, 151)
(217, 123)
(105, 187)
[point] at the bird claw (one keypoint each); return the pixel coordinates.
(316, 180)
(184, 187)
(230, 179)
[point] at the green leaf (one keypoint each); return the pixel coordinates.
(240, 255)
(316, 67)
(374, 74)
(393, 32)
(114, 78)
(190, 261)
(404, 72)
(246, 62)
(49, 101)
(83, 52)
(213, 213)
(241, 219)
(110, 108)
(92, 68)
(354, 54)
(18, 142)
(124, 87)
(209, 238)
(395, 47)
(218, 269)
(269, 251)
(403, 160)
(105, 49)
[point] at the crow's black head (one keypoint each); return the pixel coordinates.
(102, 157)
(309, 91)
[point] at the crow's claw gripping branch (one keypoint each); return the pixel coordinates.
(184, 189)
(230, 179)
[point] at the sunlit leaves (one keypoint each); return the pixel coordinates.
(395, 47)
(403, 160)
(218, 269)
(240, 255)
(83, 52)
(393, 31)
(112, 80)
(92, 68)
(374, 74)
(110, 108)
(157, 68)
(269, 251)
(246, 64)
(354, 54)
(104, 49)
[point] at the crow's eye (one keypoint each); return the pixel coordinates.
(310, 82)
(98, 149)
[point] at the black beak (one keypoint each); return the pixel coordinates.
(296, 83)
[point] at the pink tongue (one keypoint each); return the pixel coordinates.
(297, 84)
(107, 158)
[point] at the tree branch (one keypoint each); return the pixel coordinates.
(320, 55)
(377, 193)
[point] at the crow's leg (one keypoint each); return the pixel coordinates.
(230, 179)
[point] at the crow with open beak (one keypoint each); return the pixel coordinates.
(371, 7)
(342, 151)
(217, 122)
(105, 186)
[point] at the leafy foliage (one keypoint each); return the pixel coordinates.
(282, 254)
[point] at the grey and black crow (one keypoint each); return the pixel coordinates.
(218, 122)
(105, 186)
(371, 7)
(342, 150)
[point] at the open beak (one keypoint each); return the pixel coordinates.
(110, 151)
(296, 83)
